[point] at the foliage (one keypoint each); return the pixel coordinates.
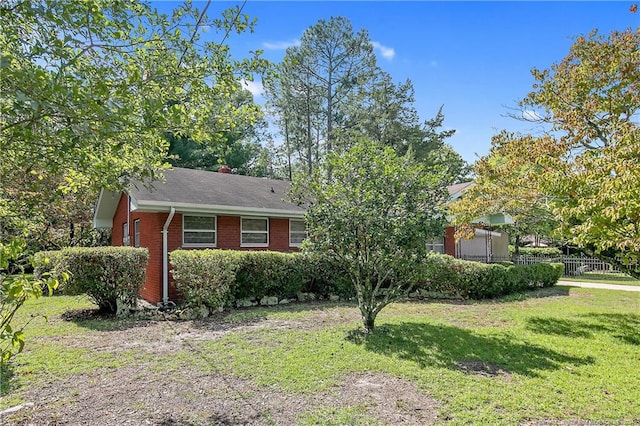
(15, 289)
(205, 277)
(591, 170)
(110, 276)
(586, 171)
(239, 147)
(373, 217)
(216, 278)
(505, 184)
(329, 91)
(443, 275)
(536, 251)
(87, 92)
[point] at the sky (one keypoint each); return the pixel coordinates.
(472, 58)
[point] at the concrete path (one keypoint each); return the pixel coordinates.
(600, 285)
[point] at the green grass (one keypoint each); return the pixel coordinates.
(605, 278)
(556, 354)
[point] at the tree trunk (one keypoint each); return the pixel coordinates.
(368, 321)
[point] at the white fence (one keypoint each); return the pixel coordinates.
(573, 266)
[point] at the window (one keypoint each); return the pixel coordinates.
(136, 233)
(436, 245)
(297, 232)
(254, 232)
(125, 234)
(199, 231)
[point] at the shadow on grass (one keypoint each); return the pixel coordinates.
(450, 347)
(7, 384)
(624, 327)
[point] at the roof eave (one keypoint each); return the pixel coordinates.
(164, 206)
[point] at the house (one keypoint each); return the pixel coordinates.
(202, 209)
(488, 243)
(199, 209)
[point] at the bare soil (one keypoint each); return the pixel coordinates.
(138, 395)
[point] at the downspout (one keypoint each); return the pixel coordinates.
(165, 258)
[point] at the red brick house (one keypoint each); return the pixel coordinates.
(201, 209)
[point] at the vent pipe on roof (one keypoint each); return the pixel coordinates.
(165, 258)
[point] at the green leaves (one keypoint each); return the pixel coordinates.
(374, 216)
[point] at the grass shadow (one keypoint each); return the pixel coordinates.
(624, 327)
(7, 382)
(95, 320)
(451, 347)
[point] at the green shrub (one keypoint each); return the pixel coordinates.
(217, 278)
(323, 275)
(268, 273)
(108, 275)
(450, 277)
(536, 251)
(204, 277)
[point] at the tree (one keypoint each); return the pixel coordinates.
(506, 183)
(587, 166)
(89, 89)
(237, 148)
(315, 83)
(373, 216)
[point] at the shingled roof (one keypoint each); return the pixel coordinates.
(199, 191)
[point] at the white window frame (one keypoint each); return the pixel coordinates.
(292, 244)
(214, 230)
(242, 232)
(436, 242)
(136, 233)
(126, 238)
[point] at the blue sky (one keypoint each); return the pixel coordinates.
(474, 58)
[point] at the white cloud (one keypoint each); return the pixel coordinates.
(531, 115)
(386, 52)
(280, 45)
(255, 87)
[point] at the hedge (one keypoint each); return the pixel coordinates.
(108, 275)
(535, 251)
(217, 278)
(451, 277)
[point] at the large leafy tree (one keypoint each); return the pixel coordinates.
(587, 166)
(373, 216)
(591, 99)
(506, 182)
(87, 92)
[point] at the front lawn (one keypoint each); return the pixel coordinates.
(558, 354)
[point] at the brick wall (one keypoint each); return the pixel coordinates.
(450, 241)
(228, 237)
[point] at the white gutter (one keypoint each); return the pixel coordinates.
(161, 206)
(165, 257)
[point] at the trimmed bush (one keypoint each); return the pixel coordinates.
(205, 277)
(450, 277)
(217, 278)
(536, 251)
(108, 275)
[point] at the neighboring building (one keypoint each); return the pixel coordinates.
(488, 243)
(202, 209)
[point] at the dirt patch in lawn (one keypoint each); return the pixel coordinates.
(157, 389)
(483, 368)
(391, 400)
